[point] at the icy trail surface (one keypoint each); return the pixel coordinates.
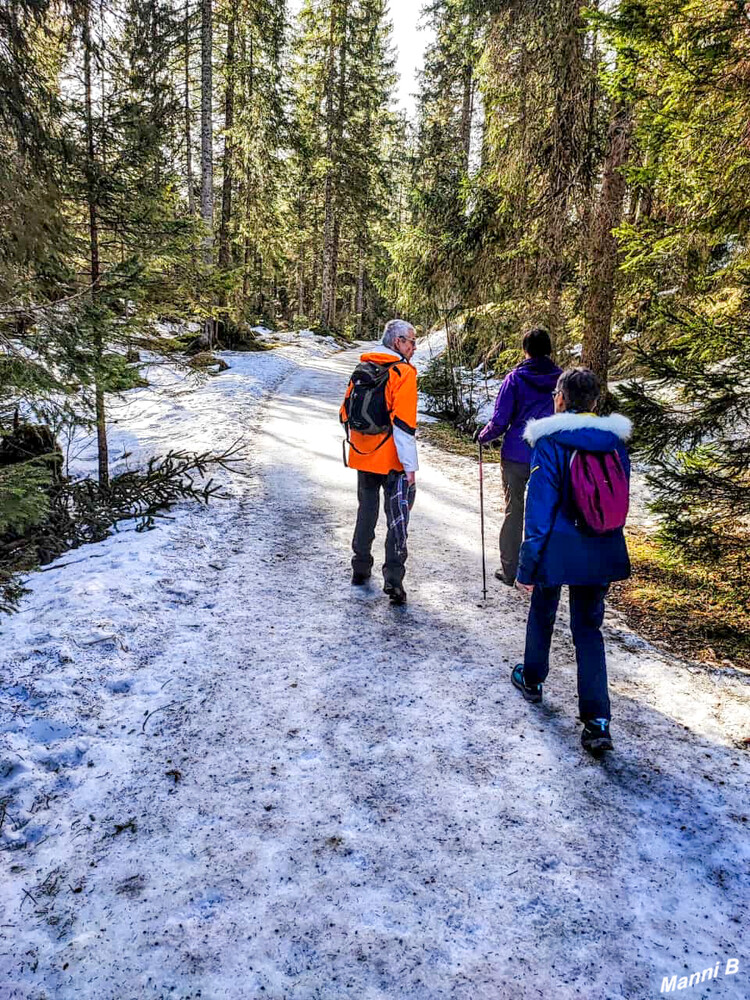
(227, 775)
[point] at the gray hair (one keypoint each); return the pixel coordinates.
(394, 329)
(580, 388)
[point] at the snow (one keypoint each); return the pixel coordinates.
(313, 343)
(228, 775)
(429, 347)
(484, 389)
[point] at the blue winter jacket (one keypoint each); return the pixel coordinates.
(526, 393)
(555, 551)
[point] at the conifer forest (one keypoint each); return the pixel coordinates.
(584, 166)
(232, 766)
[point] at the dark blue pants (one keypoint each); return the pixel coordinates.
(586, 615)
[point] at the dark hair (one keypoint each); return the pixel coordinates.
(580, 389)
(537, 343)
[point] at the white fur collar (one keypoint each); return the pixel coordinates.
(616, 423)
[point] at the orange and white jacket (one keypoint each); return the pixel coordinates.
(400, 450)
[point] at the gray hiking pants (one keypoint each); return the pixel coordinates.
(369, 485)
(515, 477)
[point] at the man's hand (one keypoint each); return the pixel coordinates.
(527, 588)
(475, 435)
(411, 478)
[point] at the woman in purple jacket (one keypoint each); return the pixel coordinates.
(526, 394)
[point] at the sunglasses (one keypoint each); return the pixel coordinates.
(408, 340)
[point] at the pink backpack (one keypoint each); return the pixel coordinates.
(599, 490)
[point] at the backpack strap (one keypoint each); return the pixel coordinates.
(391, 365)
(348, 441)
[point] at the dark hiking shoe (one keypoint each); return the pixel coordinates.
(396, 593)
(595, 736)
(359, 579)
(531, 692)
(499, 575)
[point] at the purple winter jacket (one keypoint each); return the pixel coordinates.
(526, 394)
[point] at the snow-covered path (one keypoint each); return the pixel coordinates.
(240, 779)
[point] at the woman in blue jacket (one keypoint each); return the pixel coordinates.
(557, 551)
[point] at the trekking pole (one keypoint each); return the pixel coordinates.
(481, 518)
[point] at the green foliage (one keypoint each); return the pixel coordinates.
(510, 135)
(686, 262)
(24, 496)
(480, 215)
(691, 414)
(449, 390)
(40, 520)
(81, 511)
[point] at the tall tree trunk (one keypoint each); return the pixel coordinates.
(188, 122)
(600, 298)
(207, 165)
(467, 111)
(590, 159)
(101, 425)
(569, 108)
(226, 189)
(335, 243)
(359, 305)
(343, 103)
(259, 282)
(327, 291)
(300, 270)
(249, 89)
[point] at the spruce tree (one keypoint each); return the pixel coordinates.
(686, 258)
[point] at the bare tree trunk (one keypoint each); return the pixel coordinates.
(226, 189)
(340, 117)
(359, 305)
(467, 111)
(300, 290)
(249, 87)
(259, 280)
(327, 291)
(604, 257)
(246, 256)
(590, 159)
(207, 165)
(101, 425)
(188, 116)
(300, 270)
(335, 267)
(566, 147)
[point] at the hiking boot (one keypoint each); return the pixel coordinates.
(499, 575)
(531, 692)
(396, 593)
(359, 579)
(595, 736)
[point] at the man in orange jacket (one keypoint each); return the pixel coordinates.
(387, 460)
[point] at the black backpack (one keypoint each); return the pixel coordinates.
(365, 407)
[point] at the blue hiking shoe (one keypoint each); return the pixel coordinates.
(595, 736)
(531, 692)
